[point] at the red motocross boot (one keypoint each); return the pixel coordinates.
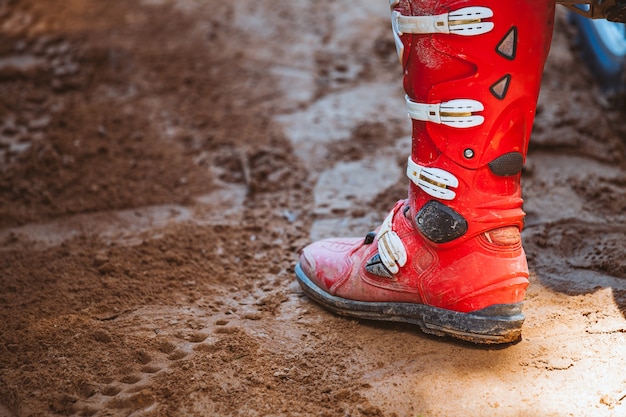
(449, 258)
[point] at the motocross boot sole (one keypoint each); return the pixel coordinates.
(496, 324)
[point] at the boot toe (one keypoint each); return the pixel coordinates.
(327, 262)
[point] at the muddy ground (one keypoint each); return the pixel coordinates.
(163, 161)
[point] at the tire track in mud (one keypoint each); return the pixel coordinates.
(82, 278)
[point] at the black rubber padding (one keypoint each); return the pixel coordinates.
(508, 164)
(496, 324)
(440, 223)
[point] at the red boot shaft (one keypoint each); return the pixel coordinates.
(449, 258)
(500, 69)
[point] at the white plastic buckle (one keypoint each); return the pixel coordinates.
(435, 182)
(467, 21)
(390, 248)
(457, 113)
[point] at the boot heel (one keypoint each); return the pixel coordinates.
(500, 323)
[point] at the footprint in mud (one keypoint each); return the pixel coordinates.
(137, 401)
(604, 254)
(111, 390)
(594, 247)
(135, 392)
(222, 327)
(130, 379)
(150, 369)
(605, 196)
(194, 337)
(143, 358)
(177, 355)
(579, 258)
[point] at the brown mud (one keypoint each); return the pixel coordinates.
(163, 161)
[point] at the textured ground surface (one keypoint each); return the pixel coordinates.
(162, 162)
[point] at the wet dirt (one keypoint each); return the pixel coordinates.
(163, 161)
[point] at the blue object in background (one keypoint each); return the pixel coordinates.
(603, 48)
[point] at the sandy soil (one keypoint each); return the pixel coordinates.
(163, 161)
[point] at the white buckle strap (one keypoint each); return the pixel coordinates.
(390, 248)
(457, 113)
(467, 21)
(434, 181)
